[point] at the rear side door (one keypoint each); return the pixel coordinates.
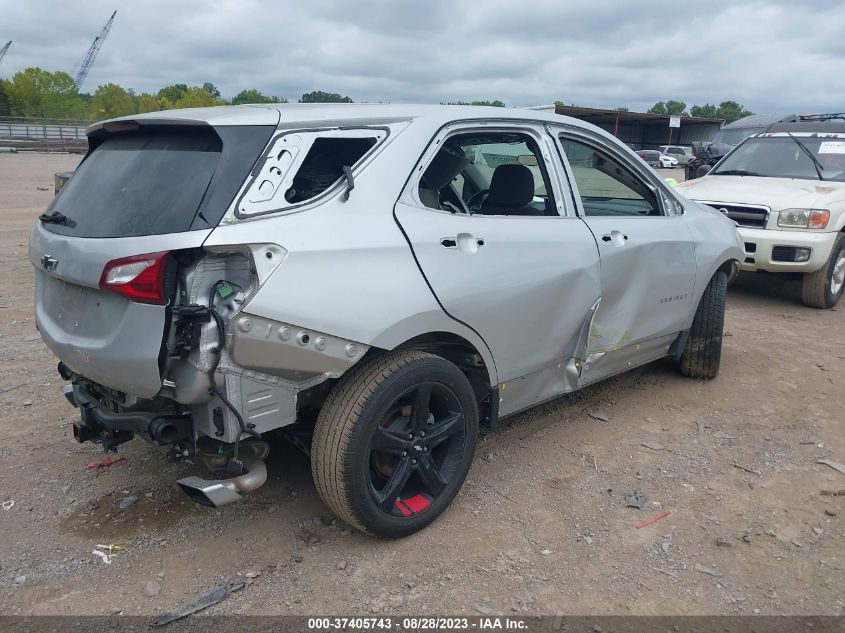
(647, 254)
(521, 269)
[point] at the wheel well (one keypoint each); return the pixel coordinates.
(729, 268)
(465, 356)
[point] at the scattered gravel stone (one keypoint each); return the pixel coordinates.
(819, 531)
(19, 580)
(127, 502)
(722, 542)
(710, 571)
(152, 589)
(830, 513)
(771, 532)
(483, 606)
(341, 565)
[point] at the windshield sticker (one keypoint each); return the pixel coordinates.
(832, 147)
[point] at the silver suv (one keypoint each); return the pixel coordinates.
(374, 280)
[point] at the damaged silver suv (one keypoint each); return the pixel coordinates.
(374, 281)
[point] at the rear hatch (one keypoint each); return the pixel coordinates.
(105, 250)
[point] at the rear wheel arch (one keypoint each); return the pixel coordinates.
(460, 352)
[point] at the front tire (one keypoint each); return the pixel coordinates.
(703, 350)
(823, 288)
(394, 442)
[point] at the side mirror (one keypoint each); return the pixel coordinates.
(703, 170)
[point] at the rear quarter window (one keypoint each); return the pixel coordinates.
(302, 167)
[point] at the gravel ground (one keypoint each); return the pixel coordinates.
(540, 527)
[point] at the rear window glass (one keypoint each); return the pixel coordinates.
(158, 180)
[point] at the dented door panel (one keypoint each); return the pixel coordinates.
(647, 280)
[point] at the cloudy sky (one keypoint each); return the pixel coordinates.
(771, 56)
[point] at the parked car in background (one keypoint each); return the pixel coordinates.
(668, 162)
(374, 281)
(657, 159)
(786, 190)
(680, 153)
(651, 156)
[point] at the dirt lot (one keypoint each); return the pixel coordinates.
(540, 527)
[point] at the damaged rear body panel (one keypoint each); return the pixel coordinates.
(209, 276)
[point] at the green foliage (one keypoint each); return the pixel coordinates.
(318, 96)
(671, 108)
(730, 111)
(706, 111)
(211, 89)
(621, 108)
(145, 102)
(170, 95)
(35, 92)
(496, 103)
(5, 107)
(109, 101)
(255, 96)
(197, 97)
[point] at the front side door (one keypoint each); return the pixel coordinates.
(647, 255)
(500, 246)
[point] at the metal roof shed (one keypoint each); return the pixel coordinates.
(642, 130)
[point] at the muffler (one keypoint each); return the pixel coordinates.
(221, 492)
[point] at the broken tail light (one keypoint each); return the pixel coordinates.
(139, 278)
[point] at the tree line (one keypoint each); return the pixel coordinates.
(730, 111)
(36, 92)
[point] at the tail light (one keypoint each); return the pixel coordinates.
(139, 278)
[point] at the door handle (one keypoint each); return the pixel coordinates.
(617, 238)
(465, 242)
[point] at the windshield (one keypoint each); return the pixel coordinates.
(735, 136)
(782, 157)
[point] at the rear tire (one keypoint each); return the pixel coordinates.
(703, 350)
(823, 288)
(394, 442)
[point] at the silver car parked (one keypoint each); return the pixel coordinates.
(373, 280)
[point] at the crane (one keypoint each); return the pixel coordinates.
(91, 55)
(4, 49)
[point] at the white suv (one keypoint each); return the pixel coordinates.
(681, 154)
(785, 188)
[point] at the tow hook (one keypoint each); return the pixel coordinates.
(221, 492)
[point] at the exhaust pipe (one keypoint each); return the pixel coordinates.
(220, 492)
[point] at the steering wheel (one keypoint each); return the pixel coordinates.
(477, 198)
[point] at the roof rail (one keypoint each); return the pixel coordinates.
(822, 117)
